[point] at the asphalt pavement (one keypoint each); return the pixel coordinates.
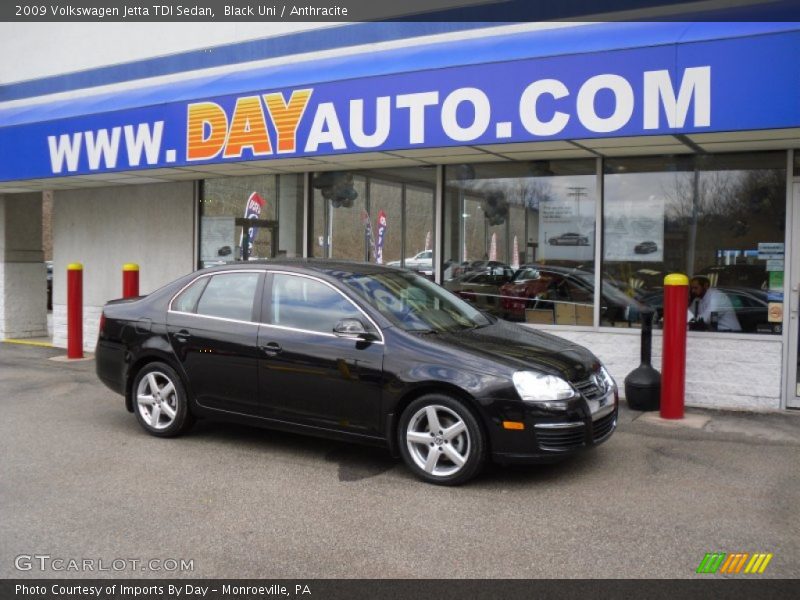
(80, 480)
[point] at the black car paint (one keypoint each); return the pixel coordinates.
(230, 374)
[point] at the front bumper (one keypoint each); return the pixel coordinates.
(549, 437)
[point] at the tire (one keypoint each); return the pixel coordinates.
(439, 456)
(170, 406)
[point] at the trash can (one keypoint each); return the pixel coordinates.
(643, 384)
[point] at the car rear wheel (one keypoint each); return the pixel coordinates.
(160, 401)
(441, 440)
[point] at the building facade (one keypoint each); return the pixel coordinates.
(552, 174)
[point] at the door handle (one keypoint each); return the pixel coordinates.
(272, 349)
(182, 336)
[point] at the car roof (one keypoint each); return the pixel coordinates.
(554, 269)
(317, 265)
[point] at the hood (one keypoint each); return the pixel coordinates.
(519, 348)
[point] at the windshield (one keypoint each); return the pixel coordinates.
(526, 274)
(415, 304)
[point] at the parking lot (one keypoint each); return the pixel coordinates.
(80, 479)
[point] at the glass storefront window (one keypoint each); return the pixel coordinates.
(385, 203)
(717, 217)
(797, 162)
(248, 218)
(519, 238)
(419, 234)
(346, 216)
(382, 215)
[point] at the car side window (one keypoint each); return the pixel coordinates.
(229, 296)
(303, 303)
(579, 293)
(186, 301)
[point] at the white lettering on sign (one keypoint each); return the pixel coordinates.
(416, 103)
(482, 113)
(771, 247)
(143, 139)
(623, 104)
(696, 83)
(325, 129)
(527, 107)
(256, 125)
(102, 148)
(63, 149)
(383, 107)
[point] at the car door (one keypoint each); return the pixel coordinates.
(306, 373)
(213, 330)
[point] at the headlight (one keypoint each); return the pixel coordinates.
(539, 387)
(609, 381)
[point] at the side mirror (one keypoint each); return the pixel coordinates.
(353, 329)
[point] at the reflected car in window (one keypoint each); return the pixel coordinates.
(569, 239)
(481, 288)
(423, 261)
(750, 305)
(357, 352)
(542, 287)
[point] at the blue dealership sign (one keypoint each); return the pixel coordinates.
(720, 85)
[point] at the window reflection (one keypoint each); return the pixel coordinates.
(519, 239)
(302, 303)
(229, 296)
(248, 218)
(719, 217)
(382, 215)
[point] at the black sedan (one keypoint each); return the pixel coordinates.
(357, 352)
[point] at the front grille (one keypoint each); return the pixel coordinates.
(561, 438)
(604, 426)
(590, 389)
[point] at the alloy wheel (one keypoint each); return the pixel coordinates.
(438, 440)
(157, 400)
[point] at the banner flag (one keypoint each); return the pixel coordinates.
(382, 224)
(251, 211)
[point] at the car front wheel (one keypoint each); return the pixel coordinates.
(160, 401)
(441, 440)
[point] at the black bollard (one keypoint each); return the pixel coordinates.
(643, 384)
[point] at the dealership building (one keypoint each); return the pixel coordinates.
(596, 157)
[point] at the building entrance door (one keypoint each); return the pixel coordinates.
(792, 319)
(249, 227)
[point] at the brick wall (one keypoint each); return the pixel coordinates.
(721, 372)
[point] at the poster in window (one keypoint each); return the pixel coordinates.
(217, 235)
(566, 229)
(634, 230)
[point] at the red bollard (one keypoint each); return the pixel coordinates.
(75, 310)
(130, 280)
(673, 353)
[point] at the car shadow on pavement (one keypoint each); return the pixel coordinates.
(355, 461)
(535, 474)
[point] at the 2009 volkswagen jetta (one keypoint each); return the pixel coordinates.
(359, 352)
